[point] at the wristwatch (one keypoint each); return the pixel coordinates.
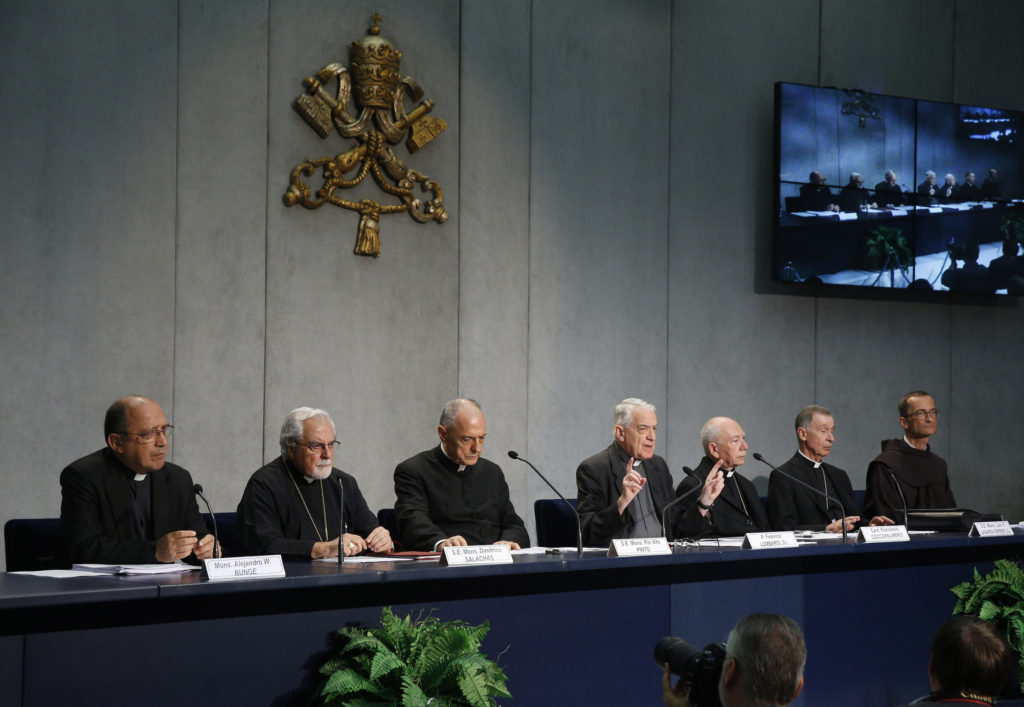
(706, 508)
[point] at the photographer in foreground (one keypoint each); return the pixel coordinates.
(764, 665)
(970, 663)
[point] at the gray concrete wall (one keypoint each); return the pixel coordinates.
(607, 170)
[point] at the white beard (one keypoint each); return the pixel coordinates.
(321, 472)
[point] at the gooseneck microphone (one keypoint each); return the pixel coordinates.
(341, 522)
(710, 529)
(198, 488)
(906, 515)
(579, 527)
(757, 456)
(664, 511)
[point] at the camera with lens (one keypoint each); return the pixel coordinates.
(956, 250)
(701, 668)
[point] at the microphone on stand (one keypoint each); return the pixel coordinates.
(906, 516)
(757, 456)
(198, 488)
(579, 528)
(664, 511)
(700, 484)
(341, 523)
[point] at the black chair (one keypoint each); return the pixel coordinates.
(227, 533)
(556, 524)
(794, 203)
(32, 544)
(386, 517)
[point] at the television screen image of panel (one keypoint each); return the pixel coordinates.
(894, 192)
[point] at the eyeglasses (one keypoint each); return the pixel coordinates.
(151, 435)
(319, 447)
(922, 414)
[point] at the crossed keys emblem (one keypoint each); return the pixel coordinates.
(380, 96)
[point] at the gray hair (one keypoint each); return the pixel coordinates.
(711, 432)
(804, 417)
(291, 429)
(888, 172)
(930, 173)
(854, 176)
(452, 408)
(624, 410)
(770, 652)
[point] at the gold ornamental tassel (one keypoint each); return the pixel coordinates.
(368, 242)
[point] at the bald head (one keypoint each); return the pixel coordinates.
(117, 413)
(452, 409)
(462, 429)
(723, 438)
(137, 433)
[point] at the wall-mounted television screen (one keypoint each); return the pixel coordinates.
(889, 192)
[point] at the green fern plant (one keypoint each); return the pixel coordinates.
(997, 598)
(1012, 227)
(410, 662)
(883, 241)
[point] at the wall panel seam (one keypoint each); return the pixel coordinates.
(266, 241)
(529, 235)
(668, 221)
(458, 234)
(177, 217)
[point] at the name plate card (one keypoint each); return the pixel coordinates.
(477, 555)
(883, 534)
(254, 567)
(767, 541)
(990, 528)
(633, 547)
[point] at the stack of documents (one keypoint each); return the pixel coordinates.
(156, 568)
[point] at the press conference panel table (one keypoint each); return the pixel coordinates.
(824, 244)
(568, 630)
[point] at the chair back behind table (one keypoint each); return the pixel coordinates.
(556, 524)
(32, 544)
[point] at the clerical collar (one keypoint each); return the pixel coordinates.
(462, 467)
(128, 473)
(623, 454)
(725, 471)
(817, 465)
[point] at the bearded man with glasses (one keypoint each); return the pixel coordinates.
(125, 503)
(909, 465)
(291, 506)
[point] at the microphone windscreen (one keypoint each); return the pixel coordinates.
(513, 455)
(198, 488)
